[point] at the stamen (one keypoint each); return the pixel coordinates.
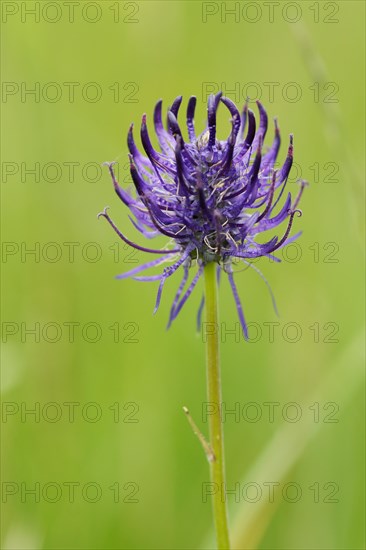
(168, 272)
(213, 102)
(175, 106)
(238, 305)
(284, 238)
(123, 195)
(285, 170)
(165, 139)
(178, 294)
(263, 121)
(174, 127)
(182, 186)
(303, 184)
(249, 137)
(235, 116)
(190, 117)
(244, 116)
(271, 193)
(188, 292)
(130, 243)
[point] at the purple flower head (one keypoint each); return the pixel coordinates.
(213, 199)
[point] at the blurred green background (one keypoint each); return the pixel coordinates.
(116, 463)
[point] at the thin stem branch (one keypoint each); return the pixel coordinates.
(217, 467)
(205, 444)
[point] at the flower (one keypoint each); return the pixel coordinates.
(211, 198)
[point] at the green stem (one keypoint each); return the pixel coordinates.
(217, 467)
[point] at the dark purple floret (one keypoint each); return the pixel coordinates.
(211, 198)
